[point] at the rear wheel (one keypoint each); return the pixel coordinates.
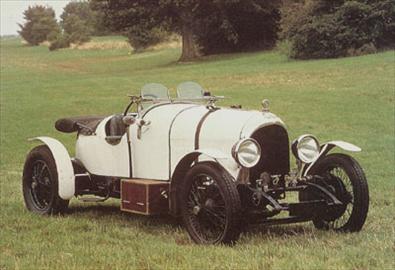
(346, 179)
(40, 183)
(210, 205)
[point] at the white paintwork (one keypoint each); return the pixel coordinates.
(345, 146)
(100, 157)
(221, 131)
(182, 136)
(168, 138)
(64, 167)
(212, 153)
(326, 147)
(259, 120)
(150, 153)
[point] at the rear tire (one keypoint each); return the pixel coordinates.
(40, 183)
(346, 177)
(210, 205)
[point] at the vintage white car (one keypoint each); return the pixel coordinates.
(216, 168)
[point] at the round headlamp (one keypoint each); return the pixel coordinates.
(247, 152)
(306, 148)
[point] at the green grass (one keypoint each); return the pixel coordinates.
(350, 99)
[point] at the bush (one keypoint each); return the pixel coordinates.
(141, 39)
(350, 28)
(59, 42)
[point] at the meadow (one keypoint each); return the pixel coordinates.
(351, 99)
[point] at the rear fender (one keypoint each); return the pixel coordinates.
(327, 147)
(64, 167)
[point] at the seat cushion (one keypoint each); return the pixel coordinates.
(115, 126)
(79, 123)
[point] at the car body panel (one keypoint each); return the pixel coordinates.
(182, 134)
(153, 146)
(259, 120)
(100, 157)
(221, 131)
(326, 147)
(174, 131)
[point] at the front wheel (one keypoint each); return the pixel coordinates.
(40, 183)
(347, 180)
(210, 205)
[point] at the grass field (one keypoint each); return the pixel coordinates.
(350, 99)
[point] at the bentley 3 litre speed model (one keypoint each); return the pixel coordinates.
(217, 168)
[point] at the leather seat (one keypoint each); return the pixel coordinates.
(115, 129)
(115, 126)
(85, 124)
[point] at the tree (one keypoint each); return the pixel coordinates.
(40, 24)
(142, 16)
(325, 29)
(236, 24)
(77, 21)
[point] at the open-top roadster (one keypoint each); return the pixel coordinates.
(217, 168)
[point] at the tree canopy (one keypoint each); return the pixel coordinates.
(77, 21)
(324, 29)
(212, 26)
(40, 23)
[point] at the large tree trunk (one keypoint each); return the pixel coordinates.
(189, 48)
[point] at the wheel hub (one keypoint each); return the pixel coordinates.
(196, 210)
(209, 203)
(340, 192)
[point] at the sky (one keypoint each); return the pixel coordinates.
(11, 12)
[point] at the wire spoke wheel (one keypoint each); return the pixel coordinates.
(206, 208)
(40, 183)
(210, 205)
(344, 177)
(341, 185)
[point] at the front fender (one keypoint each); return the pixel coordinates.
(212, 153)
(182, 168)
(64, 167)
(326, 147)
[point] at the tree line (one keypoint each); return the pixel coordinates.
(78, 23)
(306, 28)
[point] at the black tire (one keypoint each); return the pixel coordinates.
(40, 183)
(348, 182)
(210, 205)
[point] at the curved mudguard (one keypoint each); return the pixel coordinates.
(182, 168)
(212, 153)
(66, 179)
(326, 147)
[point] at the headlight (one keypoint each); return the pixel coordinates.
(306, 148)
(247, 152)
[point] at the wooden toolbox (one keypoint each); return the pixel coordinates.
(144, 196)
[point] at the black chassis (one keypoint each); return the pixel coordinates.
(263, 200)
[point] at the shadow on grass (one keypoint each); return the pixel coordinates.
(150, 224)
(224, 57)
(280, 230)
(100, 211)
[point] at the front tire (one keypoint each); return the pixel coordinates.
(210, 205)
(40, 183)
(348, 182)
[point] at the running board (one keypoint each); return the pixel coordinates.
(92, 199)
